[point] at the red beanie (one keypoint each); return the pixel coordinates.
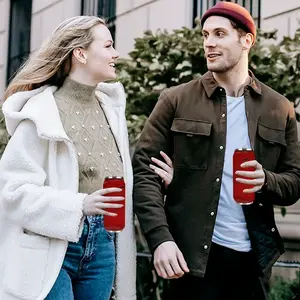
(234, 12)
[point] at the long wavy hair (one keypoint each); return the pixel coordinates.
(52, 62)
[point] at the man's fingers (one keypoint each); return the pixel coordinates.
(252, 190)
(178, 272)
(182, 262)
(250, 174)
(169, 270)
(256, 182)
(252, 163)
(160, 270)
(166, 158)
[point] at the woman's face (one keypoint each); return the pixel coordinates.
(100, 56)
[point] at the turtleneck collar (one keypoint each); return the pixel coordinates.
(77, 91)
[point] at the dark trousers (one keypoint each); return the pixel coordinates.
(229, 275)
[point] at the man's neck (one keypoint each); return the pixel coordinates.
(233, 81)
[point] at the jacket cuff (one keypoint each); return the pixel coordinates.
(269, 185)
(157, 236)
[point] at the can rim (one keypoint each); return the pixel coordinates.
(114, 177)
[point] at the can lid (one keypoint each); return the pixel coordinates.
(244, 149)
(113, 177)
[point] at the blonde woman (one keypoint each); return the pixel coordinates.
(68, 132)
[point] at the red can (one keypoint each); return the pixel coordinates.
(115, 223)
(240, 156)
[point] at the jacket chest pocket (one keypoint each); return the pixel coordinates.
(269, 144)
(192, 142)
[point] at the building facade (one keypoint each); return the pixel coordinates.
(25, 24)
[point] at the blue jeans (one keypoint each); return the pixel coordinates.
(89, 266)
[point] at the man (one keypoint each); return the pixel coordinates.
(214, 247)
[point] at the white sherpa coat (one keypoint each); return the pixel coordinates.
(40, 207)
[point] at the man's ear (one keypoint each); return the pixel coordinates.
(247, 41)
(80, 55)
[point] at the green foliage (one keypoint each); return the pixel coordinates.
(285, 289)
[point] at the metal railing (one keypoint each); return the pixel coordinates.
(287, 264)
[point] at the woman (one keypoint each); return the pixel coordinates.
(68, 133)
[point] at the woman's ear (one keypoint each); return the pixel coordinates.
(80, 55)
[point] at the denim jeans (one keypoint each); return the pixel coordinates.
(89, 265)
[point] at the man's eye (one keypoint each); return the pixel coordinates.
(220, 33)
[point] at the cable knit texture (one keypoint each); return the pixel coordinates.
(40, 206)
(86, 125)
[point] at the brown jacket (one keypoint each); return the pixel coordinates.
(189, 124)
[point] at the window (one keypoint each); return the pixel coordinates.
(107, 10)
(253, 6)
(19, 35)
(101, 8)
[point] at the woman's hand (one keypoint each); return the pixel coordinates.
(164, 169)
(96, 203)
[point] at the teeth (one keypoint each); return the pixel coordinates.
(112, 64)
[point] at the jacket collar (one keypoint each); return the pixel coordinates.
(40, 107)
(211, 85)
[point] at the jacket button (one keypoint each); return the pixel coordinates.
(223, 115)
(205, 247)
(221, 147)
(260, 204)
(212, 213)
(273, 229)
(218, 179)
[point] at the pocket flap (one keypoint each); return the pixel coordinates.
(192, 127)
(272, 135)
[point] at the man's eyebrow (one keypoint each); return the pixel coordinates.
(216, 29)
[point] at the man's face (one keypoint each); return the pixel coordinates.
(222, 44)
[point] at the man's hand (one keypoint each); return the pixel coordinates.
(169, 262)
(255, 178)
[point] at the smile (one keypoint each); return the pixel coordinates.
(212, 55)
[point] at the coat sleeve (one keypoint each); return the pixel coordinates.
(148, 194)
(283, 186)
(24, 197)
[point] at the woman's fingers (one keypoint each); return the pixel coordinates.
(167, 159)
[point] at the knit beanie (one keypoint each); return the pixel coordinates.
(234, 12)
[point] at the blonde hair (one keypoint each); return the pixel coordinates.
(52, 62)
